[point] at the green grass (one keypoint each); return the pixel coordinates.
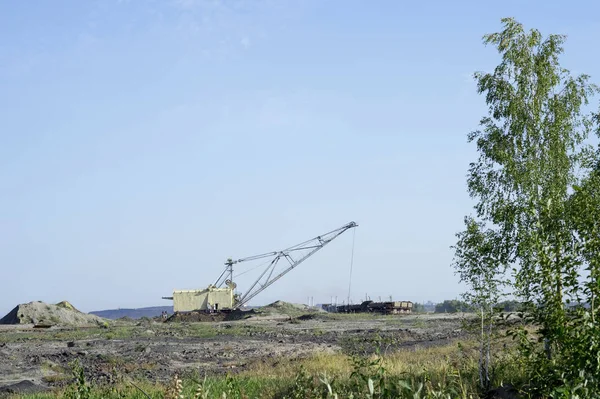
(123, 332)
(51, 335)
(117, 330)
(352, 316)
(127, 331)
(441, 372)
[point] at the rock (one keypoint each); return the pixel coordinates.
(23, 387)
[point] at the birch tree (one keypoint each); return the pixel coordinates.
(532, 158)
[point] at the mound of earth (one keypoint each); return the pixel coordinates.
(283, 305)
(286, 308)
(23, 387)
(66, 305)
(40, 313)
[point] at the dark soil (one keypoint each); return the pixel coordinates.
(21, 387)
(155, 350)
(192, 317)
(11, 317)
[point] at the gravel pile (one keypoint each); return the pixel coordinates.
(60, 314)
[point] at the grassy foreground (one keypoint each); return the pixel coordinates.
(439, 372)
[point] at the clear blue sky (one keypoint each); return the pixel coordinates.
(144, 142)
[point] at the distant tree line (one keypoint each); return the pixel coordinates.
(418, 308)
(456, 305)
(452, 306)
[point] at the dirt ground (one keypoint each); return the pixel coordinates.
(155, 350)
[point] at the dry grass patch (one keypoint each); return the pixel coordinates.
(436, 360)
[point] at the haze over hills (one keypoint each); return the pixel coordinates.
(152, 311)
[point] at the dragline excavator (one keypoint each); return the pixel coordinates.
(221, 295)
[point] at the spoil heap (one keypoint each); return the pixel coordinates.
(281, 308)
(61, 314)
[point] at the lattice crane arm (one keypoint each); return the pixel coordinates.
(314, 245)
(229, 267)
